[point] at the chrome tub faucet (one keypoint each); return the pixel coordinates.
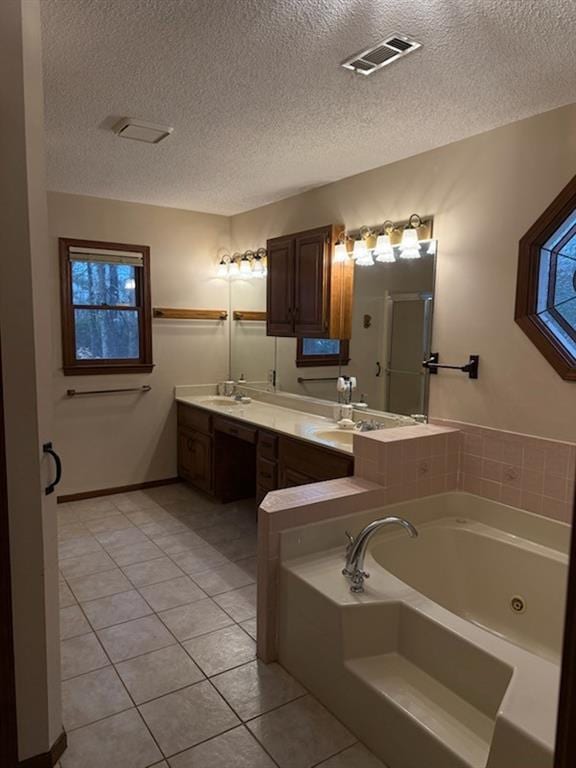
(357, 547)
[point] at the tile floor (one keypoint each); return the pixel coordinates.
(158, 608)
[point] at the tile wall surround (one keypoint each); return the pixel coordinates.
(396, 465)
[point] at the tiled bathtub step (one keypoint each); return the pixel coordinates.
(429, 705)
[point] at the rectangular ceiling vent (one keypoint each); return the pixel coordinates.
(381, 54)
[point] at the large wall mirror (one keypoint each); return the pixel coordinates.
(391, 336)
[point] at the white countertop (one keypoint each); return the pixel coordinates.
(274, 417)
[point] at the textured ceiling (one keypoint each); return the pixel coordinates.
(260, 107)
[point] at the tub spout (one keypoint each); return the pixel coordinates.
(356, 549)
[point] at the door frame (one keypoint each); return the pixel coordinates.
(565, 753)
(8, 722)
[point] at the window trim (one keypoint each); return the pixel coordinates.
(526, 311)
(311, 361)
(71, 366)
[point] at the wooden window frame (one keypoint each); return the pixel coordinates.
(71, 365)
(527, 283)
(311, 361)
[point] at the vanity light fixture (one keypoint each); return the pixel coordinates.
(341, 254)
(222, 268)
(246, 264)
(361, 253)
(409, 247)
(234, 266)
(383, 251)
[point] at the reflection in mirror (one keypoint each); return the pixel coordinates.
(391, 335)
(251, 350)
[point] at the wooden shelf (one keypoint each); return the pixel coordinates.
(166, 313)
(241, 315)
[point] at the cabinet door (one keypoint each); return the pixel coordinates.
(311, 283)
(195, 458)
(289, 478)
(280, 287)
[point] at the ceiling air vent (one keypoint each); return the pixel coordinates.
(140, 130)
(385, 52)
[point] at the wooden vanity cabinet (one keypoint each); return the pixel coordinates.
(230, 459)
(308, 295)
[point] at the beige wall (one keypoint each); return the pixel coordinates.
(113, 440)
(26, 358)
(484, 193)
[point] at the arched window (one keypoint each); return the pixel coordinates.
(546, 290)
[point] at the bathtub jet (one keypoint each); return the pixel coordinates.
(357, 548)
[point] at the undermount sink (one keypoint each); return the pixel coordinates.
(222, 401)
(339, 437)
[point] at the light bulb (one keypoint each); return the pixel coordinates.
(409, 248)
(130, 284)
(360, 249)
(384, 251)
(222, 269)
(340, 253)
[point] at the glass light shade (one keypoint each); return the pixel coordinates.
(360, 249)
(340, 253)
(366, 260)
(233, 268)
(257, 268)
(409, 248)
(384, 251)
(129, 284)
(245, 267)
(222, 269)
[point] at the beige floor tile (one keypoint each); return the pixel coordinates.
(85, 565)
(256, 688)
(233, 749)
(65, 595)
(120, 741)
(152, 572)
(250, 626)
(249, 566)
(133, 638)
(92, 509)
(116, 609)
(142, 517)
(99, 585)
(109, 524)
(80, 655)
(175, 543)
(301, 734)
(183, 719)
(220, 532)
(157, 530)
(195, 619)
(222, 579)
(158, 673)
(66, 514)
(240, 604)
(133, 501)
(114, 539)
(354, 757)
(73, 622)
(77, 547)
(74, 530)
(200, 559)
(140, 552)
(239, 549)
(173, 593)
(221, 650)
(93, 696)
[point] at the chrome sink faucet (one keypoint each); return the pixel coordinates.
(357, 547)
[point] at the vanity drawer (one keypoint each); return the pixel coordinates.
(233, 428)
(194, 418)
(267, 445)
(267, 474)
